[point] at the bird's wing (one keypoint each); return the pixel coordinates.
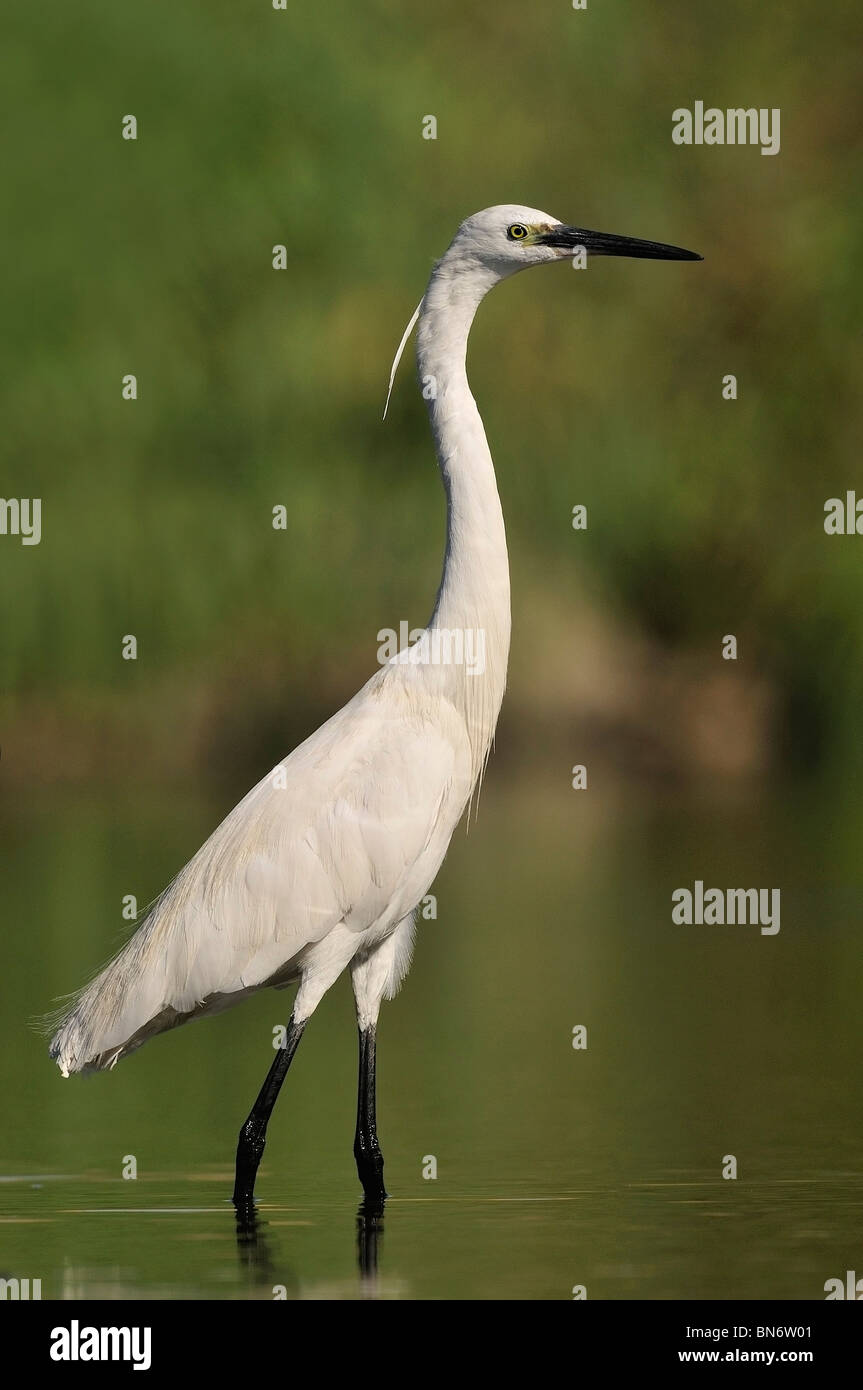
(349, 828)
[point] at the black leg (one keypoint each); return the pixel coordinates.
(253, 1135)
(367, 1152)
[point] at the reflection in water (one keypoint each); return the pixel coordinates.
(370, 1230)
(255, 1254)
(255, 1249)
(626, 1240)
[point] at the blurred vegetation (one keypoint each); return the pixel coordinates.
(257, 388)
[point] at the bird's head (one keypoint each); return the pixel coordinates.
(499, 241)
(508, 238)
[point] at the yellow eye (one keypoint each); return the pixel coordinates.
(517, 232)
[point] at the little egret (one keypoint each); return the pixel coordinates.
(322, 865)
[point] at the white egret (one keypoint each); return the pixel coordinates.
(321, 866)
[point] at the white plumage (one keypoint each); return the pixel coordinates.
(328, 854)
(323, 863)
(327, 857)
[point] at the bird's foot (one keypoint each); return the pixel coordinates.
(247, 1217)
(370, 1170)
(250, 1150)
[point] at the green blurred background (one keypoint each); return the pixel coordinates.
(259, 388)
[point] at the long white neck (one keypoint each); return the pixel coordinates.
(473, 599)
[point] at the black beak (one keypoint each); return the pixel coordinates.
(606, 244)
